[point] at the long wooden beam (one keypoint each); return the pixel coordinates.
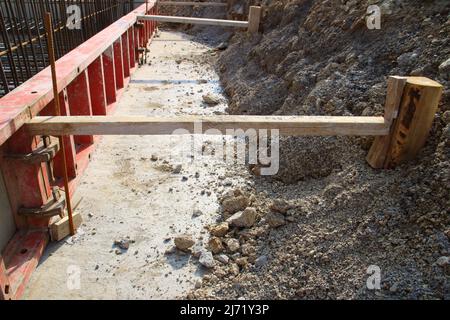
(211, 22)
(190, 3)
(138, 125)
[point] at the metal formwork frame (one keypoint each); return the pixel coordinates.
(90, 79)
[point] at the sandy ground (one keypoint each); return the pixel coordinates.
(128, 194)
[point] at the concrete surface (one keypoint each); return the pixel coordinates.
(127, 194)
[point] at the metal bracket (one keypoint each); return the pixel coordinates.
(53, 207)
(139, 25)
(44, 153)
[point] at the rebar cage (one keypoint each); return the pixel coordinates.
(23, 42)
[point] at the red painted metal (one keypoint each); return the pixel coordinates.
(91, 79)
(69, 140)
(109, 75)
(125, 55)
(97, 87)
(131, 47)
(118, 65)
(30, 98)
(21, 258)
(80, 102)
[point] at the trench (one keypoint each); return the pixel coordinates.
(131, 190)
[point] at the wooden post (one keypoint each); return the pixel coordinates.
(254, 18)
(411, 106)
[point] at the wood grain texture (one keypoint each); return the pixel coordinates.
(409, 130)
(287, 125)
(254, 18)
(211, 22)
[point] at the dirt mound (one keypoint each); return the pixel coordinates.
(319, 58)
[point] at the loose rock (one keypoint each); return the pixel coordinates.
(215, 245)
(275, 219)
(243, 219)
(220, 229)
(184, 242)
(207, 260)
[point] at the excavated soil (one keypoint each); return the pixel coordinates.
(319, 58)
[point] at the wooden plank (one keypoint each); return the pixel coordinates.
(190, 3)
(138, 125)
(254, 18)
(61, 229)
(378, 151)
(418, 103)
(394, 97)
(211, 22)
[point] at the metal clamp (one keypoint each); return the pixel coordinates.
(43, 153)
(53, 207)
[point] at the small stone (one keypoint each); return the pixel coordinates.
(215, 245)
(235, 204)
(197, 213)
(261, 261)
(281, 206)
(184, 242)
(197, 250)
(220, 229)
(177, 169)
(232, 244)
(198, 284)
(211, 99)
(222, 46)
(275, 219)
(154, 158)
(245, 219)
(223, 258)
(443, 261)
(122, 244)
(446, 117)
(234, 269)
(444, 69)
(242, 262)
(290, 219)
(207, 260)
(247, 249)
(394, 288)
(170, 250)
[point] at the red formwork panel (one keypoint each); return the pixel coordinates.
(97, 87)
(109, 75)
(58, 165)
(118, 64)
(132, 47)
(125, 55)
(80, 102)
(90, 79)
